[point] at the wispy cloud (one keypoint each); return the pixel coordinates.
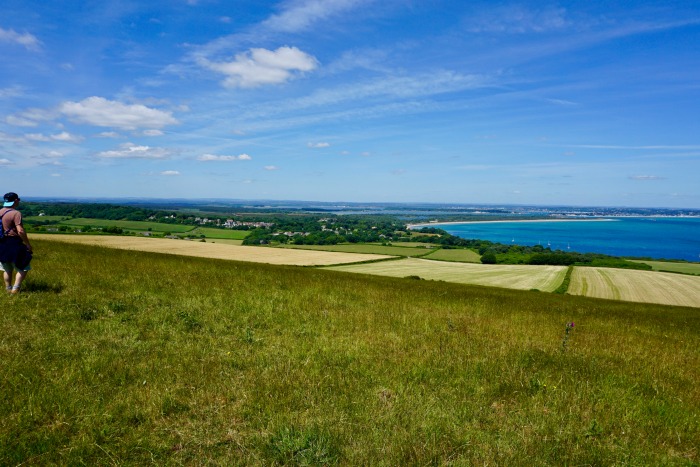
(64, 136)
(213, 157)
(28, 41)
(517, 19)
(271, 167)
(133, 151)
(646, 177)
(299, 15)
(318, 145)
(170, 173)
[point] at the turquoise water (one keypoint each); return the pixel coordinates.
(658, 237)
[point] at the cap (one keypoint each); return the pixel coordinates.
(10, 199)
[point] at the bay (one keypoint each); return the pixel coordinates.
(653, 237)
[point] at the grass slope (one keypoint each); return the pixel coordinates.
(130, 358)
(363, 248)
(683, 268)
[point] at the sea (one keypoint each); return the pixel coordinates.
(647, 237)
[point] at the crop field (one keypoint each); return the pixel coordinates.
(460, 255)
(544, 278)
(228, 234)
(636, 286)
(363, 249)
(130, 225)
(215, 250)
(683, 268)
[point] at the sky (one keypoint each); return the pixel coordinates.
(583, 103)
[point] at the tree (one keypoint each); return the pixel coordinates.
(488, 258)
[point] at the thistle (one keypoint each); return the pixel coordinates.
(569, 328)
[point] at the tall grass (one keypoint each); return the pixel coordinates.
(121, 357)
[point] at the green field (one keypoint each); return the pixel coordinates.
(227, 234)
(140, 226)
(155, 359)
(458, 255)
(365, 248)
(684, 268)
(544, 278)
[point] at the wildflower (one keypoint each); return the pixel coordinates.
(569, 328)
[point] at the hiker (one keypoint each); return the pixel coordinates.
(15, 249)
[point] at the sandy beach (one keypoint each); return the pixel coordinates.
(501, 221)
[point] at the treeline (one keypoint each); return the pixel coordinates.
(94, 211)
(499, 253)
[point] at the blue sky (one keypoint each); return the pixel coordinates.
(575, 102)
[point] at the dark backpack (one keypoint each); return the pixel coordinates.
(2, 230)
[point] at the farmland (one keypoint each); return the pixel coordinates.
(116, 357)
(215, 250)
(364, 249)
(636, 286)
(683, 268)
(129, 225)
(544, 278)
(461, 255)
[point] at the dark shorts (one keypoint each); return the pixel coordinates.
(14, 252)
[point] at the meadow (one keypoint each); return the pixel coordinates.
(117, 357)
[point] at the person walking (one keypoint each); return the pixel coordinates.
(15, 248)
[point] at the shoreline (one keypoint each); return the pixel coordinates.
(501, 221)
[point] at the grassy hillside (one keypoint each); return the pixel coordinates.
(131, 358)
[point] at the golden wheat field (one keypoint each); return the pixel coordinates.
(216, 250)
(636, 286)
(544, 278)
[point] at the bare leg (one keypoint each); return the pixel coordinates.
(7, 277)
(19, 277)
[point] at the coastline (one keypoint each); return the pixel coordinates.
(501, 221)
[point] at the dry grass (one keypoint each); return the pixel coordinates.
(636, 286)
(545, 278)
(215, 250)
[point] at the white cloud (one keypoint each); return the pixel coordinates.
(261, 66)
(271, 167)
(67, 137)
(64, 136)
(152, 133)
(29, 41)
(318, 145)
(301, 14)
(20, 121)
(99, 111)
(645, 177)
(5, 162)
(132, 151)
(213, 157)
(170, 173)
(55, 175)
(109, 134)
